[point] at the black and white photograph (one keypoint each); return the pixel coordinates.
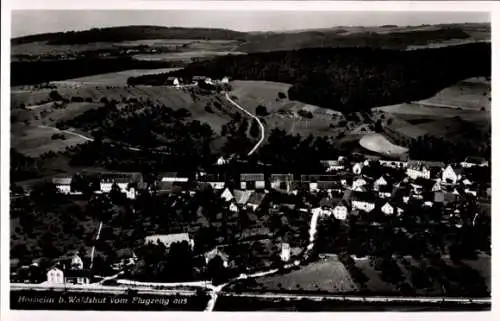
(249, 160)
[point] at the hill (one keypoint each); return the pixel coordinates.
(349, 79)
(389, 36)
(373, 37)
(129, 33)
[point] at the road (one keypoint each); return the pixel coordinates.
(374, 299)
(93, 247)
(69, 132)
(262, 131)
(90, 139)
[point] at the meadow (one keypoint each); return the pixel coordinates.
(325, 276)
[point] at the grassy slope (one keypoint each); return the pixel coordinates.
(32, 140)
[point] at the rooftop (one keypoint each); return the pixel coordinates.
(167, 239)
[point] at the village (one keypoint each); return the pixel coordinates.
(349, 187)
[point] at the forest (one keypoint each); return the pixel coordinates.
(129, 33)
(34, 72)
(348, 79)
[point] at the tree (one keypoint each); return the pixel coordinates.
(254, 129)
(216, 270)
(55, 95)
(261, 111)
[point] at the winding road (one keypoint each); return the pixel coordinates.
(262, 131)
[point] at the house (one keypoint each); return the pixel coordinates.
(473, 162)
(281, 182)
(252, 181)
(216, 181)
(314, 181)
(221, 161)
(357, 168)
(417, 169)
(381, 181)
(199, 79)
(124, 181)
(55, 276)
(79, 277)
(169, 239)
(422, 185)
(466, 182)
(173, 177)
(63, 184)
(241, 197)
(385, 191)
(227, 195)
(364, 201)
(359, 182)
(285, 252)
(173, 81)
(217, 252)
(393, 163)
(387, 209)
(255, 200)
(451, 175)
(470, 191)
(76, 262)
(332, 165)
(341, 210)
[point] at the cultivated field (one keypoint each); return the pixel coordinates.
(378, 143)
(41, 48)
(327, 275)
(186, 56)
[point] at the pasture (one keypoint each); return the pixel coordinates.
(40, 110)
(327, 275)
(380, 144)
(254, 93)
(34, 141)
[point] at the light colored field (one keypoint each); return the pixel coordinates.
(327, 275)
(114, 78)
(380, 144)
(185, 55)
(34, 141)
(253, 93)
(471, 94)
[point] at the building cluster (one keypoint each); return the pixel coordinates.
(349, 185)
(196, 81)
(346, 187)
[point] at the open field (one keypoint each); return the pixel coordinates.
(34, 140)
(380, 144)
(114, 78)
(42, 48)
(328, 275)
(185, 55)
(254, 93)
